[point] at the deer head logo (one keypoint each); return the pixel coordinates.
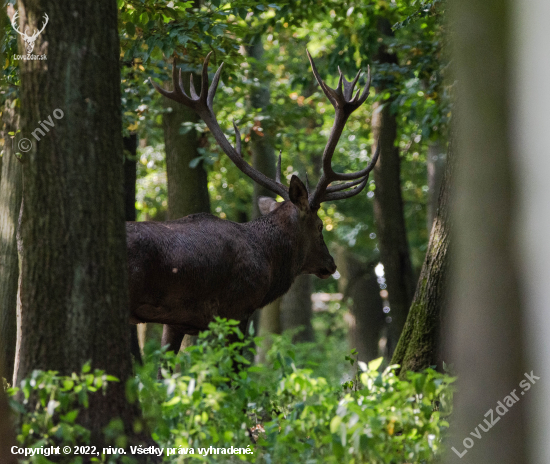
(29, 40)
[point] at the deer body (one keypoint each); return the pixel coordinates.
(185, 272)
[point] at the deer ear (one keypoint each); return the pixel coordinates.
(267, 204)
(298, 194)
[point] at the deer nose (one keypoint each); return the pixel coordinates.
(332, 268)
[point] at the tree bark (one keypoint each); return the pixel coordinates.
(436, 169)
(296, 309)
(359, 284)
(486, 309)
(390, 223)
(266, 320)
(11, 189)
(74, 283)
(7, 435)
(130, 144)
(187, 186)
(419, 344)
(388, 207)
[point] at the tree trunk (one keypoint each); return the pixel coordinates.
(187, 186)
(419, 344)
(390, 223)
(74, 283)
(266, 320)
(436, 170)
(529, 120)
(296, 310)
(11, 189)
(7, 435)
(388, 208)
(487, 314)
(366, 319)
(130, 145)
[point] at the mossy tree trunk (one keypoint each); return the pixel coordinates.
(11, 190)
(74, 283)
(419, 344)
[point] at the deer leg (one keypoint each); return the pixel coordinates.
(172, 335)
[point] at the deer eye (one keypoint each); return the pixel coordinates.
(320, 228)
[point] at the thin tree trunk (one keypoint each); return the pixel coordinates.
(296, 309)
(11, 189)
(130, 145)
(486, 320)
(390, 223)
(366, 319)
(419, 344)
(74, 284)
(388, 207)
(266, 320)
(187, 186)
(436, 170)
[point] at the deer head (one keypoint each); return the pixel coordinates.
(29, 40)
(301, 205)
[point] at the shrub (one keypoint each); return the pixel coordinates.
(211, 395)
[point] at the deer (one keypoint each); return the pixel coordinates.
(185, 272)
(29, 40)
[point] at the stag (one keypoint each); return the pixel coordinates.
(29, 40)
(183, 273)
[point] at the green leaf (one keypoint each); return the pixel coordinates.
(130, 29)
(335, 424)
(375, 364)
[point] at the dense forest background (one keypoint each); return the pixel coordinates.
(440, 111)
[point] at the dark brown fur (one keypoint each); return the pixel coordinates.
(182, 273)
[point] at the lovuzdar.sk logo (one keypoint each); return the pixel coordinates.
(29, 39)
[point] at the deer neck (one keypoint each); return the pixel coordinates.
(277, 238)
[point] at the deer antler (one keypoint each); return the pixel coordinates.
(24, 34)
(344, 103)
(35, 35)
(202, 105)
(14, 24)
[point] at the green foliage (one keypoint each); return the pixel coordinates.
(48, 408)
(281, 411)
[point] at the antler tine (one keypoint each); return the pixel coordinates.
(204, 79)
(278, 169)
(192, 90)
(366, 89)
(238, 139)
(307, 184)
(349, 86)
(213, 87)
(344, 104)
(362, 172)
(330, 93)
(14, 24)
(344, 186)
(350, 193)
(203, 106)
(43, 27)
